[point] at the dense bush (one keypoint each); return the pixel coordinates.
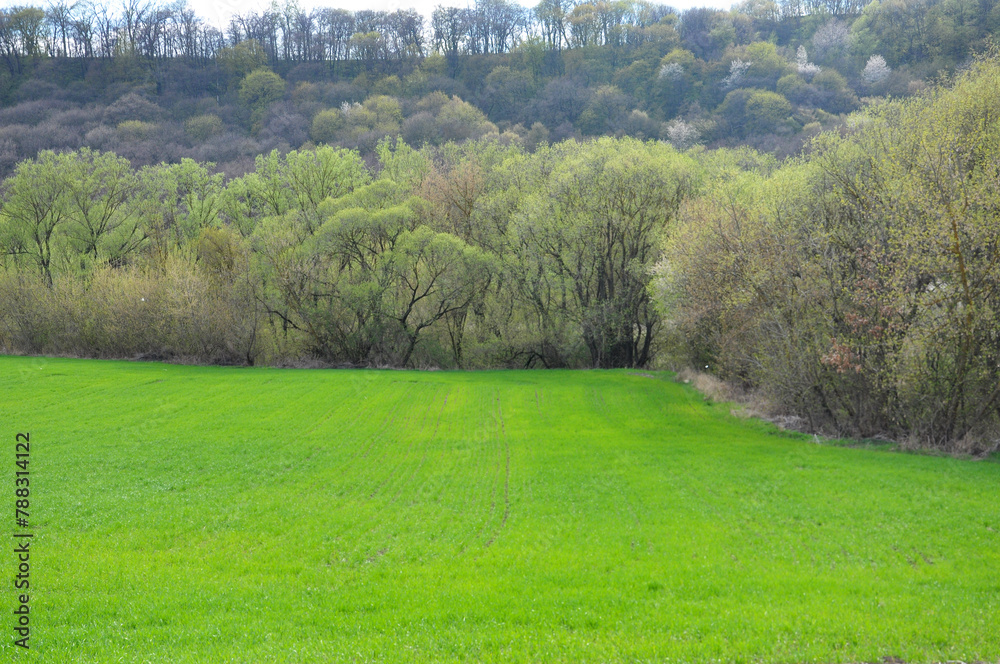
(859, 288)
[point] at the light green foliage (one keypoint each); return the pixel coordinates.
(402, 164)
(433, 102)
(386, 110)
(388, 85)
(439, 119)
(326, 125)
(936, 193)
(751, 111)
(296, 183)
(136, 130)
(103, 218)
(790, 84)
(176, 202)
(309, 177)
(497, 516)
(634, 79)
(261, 87)
(436, 275)
(244, 202)
(371, 280)
(379, 115)
(586, 235)
(34, 210)
(69, 211)
(831, 81)
(764, 111)
(240, 60)
(458, 120)
(766, 65)
(203, 127)
(334, 286)
(605, 111)
(732, 274)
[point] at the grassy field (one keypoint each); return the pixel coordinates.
(186, 514)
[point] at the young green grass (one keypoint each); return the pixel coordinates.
(191, 514)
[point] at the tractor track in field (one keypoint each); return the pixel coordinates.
(484, 502)
(506, 479)
(403, 478)
(414, 440)
(427, 443)
(395, 418)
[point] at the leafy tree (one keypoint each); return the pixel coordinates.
(858, 287)
(765, 110)
(240, 60)
(101, 216)
(505, 90)
(459, 121)
(258, 90)
(203, 127)
(335, 286)
(766, 65)
(435, 274)
(35, 209)
(599, 221)
(326, 125)
(177, 201)
(605, 112)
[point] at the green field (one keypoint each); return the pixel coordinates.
(191, 514)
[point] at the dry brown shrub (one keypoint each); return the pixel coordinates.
(710, 386)
(747, 404)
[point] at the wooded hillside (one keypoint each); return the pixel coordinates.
(154, 82)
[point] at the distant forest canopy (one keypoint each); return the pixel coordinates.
(154, 82)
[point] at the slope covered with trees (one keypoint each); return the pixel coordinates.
(154, 82)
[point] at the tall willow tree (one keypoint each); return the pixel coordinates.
(593, 229)
(35, 210)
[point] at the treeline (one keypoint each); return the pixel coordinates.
(154, 82)
(288, 33)
(475, 256)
